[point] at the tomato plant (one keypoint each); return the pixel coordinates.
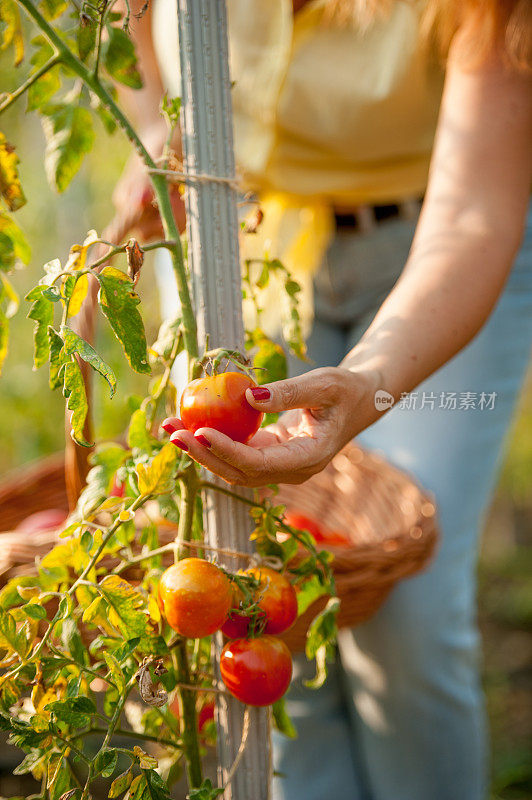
(83, 642)
(219, 401)
(195, 597)
(276, 600)
(256, 671)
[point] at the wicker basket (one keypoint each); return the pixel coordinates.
(390, 521)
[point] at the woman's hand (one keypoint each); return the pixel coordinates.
(136, 211)
(324, 409)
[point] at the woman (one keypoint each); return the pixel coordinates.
(402, 715)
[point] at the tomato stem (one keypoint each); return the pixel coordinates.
(190, 721)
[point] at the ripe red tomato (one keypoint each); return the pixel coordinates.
(256, 671)
(195, 597)
(321, 535)
(277, 599)
(219, 401)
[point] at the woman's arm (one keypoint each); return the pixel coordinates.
(469, 230)
(467, 237)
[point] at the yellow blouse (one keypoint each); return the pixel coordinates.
(324, 116)
(337, 113)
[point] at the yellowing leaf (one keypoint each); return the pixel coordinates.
(78, 252)
(10, 188)
(92, 612)
(66, 555)
(12, 29)
(153, 610)
(78, 295)
(158, 477)
(127, 607)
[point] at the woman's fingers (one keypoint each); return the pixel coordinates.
(314, 389)
(289, 462)
(187, 441)
(172, 424)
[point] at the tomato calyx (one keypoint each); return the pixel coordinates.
(246, 618)
(264, 601)
(212, 361)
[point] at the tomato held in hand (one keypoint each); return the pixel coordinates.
(195, 597)
(219, 401)
(275, 596)
(256, 671)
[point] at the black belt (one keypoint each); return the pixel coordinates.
(351, 220)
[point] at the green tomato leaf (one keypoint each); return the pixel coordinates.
(48, 84)
(11, 29)
(34, 611)
(86, 36)
(21, 733)
(106, 459)
(73, 643)
(119, 58)
(309, 591)
(270, 359)
(138, 434)
(10, 188)
(321, 638)
(52, 9)
(282, 721)
(74, 392)
(74, 344)
(75, 711)
(105, 763)
(55, 762)
(57, 357)
(42, 311)
(11, 639)
(120, 784)
(115, 671)
(118, 301)
(69, 136)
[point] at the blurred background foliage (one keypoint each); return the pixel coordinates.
(32, 425)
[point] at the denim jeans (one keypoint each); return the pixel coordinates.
(401, 716)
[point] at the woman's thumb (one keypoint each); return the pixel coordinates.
(283, 395)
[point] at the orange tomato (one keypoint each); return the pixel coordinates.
(195, 597)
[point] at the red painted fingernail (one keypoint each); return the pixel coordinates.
(199, 437)
(179, 443)
(168, 426)
(261, 394)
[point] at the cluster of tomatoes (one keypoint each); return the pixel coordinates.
(197, 599)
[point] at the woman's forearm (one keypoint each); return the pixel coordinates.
(445, 294)
(469, 230)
